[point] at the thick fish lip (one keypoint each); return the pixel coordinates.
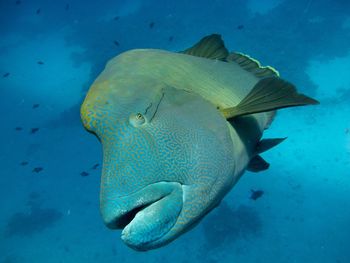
(145, 216)
(126, 233)
(123, 217)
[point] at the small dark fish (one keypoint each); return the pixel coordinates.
(38, 11)
(95, 166)
(255, 194)
(37, 169)
(67, 7)
(18, 2)
(6, 75)
(18, 128)
(35, 106)
(116, 18)
(171, 38)
(347, 130)
(24, 163)
(116, 43)
(84, 173)
(240, 27)
(40, 62)
(34, 130)
(151, 25)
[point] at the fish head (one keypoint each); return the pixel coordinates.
(167, 157)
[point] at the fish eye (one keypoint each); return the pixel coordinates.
(137, 119)
(139, 116)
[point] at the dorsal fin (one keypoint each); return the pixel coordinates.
(211, 47)
(252, 65)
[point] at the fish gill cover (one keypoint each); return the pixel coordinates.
(50, 53)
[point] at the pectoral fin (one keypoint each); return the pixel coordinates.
(269, 94)
(267, 144)
(257, 164)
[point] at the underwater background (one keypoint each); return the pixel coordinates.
(51, 51)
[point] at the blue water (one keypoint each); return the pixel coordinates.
(51, 51)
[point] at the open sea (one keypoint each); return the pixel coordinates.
(50, 167)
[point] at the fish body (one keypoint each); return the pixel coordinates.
(178, 130)
(256, 194)
(34, 130)
(37, 170)
(83, 173)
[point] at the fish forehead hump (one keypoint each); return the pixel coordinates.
(223, 84)
(217, 81)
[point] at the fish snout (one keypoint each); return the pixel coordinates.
(146, 215)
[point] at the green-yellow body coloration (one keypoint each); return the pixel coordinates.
(169, 153)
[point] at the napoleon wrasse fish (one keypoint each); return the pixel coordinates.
(178, 131)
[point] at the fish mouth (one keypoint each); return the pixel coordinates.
(145, 216)
(124, 219)
(125, 209)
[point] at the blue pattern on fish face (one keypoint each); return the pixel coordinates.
(168, 158)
